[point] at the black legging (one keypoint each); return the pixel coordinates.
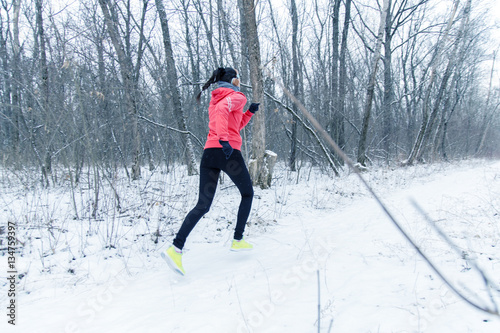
(212, 162)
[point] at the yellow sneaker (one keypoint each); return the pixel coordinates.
(241, 245)
(174, 260)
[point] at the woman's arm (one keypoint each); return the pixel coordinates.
(222, 118)
(245, 119)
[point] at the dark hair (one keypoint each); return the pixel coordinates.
(220, 74)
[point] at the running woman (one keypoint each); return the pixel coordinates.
(222, 153)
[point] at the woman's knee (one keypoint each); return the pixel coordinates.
(202, 211)
(202, 207)
(247, 192)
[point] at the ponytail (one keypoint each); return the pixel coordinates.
(216, 76)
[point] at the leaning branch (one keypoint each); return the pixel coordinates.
(391, 217)
(310, 130)
(171, 128)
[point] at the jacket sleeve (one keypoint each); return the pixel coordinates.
(245, 119)
(222, 119)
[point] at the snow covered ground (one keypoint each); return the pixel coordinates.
(104, 274)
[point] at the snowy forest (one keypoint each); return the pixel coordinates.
(112, 83)
(101, 138)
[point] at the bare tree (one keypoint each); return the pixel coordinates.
(16, 58)
(74, 94)
(208, 30)
(416, 150)
(174, 90)
(7, 84)
(398, 14)
(260, 171)
(444, 81)
(296, 83)
(244, 65)
(489, 116)
(44, 100)
(129, 78)
(362, 146)
(343, 75)
(336, 118)
(225, 29)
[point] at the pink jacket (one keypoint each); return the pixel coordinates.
(226, 118)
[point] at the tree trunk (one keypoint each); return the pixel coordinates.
(409, 102)
(337, 120)
(440, 135)
(16, 98)
(244, 66)
(127, 74)
(259, 171)
(417, 146)
(195, 66)
(44, 100)
(444, 82)
(371, 87)
(387, 102)
(487, 118)
(296, 86)
(208, 30)
(174, 90)
(343, 75)
(6, 97)
(227, 33)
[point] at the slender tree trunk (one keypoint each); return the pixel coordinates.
(487, 118)
(16, 98)
(193, 62)
(244, 66)
(409, 102)
(343, 75)
(296, 86)
(208, 30)
(6, 96)
(337, 119)
(440, 136)
(444, 83)
(258, 169)
(387, 102)
(362, 146)
(44, 100)
(127, 74)
(417, 146)
(227, 34)
(194, 66)
(174, 90)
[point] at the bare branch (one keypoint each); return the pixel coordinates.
(333, 145)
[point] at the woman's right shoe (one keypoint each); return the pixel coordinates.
(241, 245)
(173, 257)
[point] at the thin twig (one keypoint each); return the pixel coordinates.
(319, 304)
(487, 282)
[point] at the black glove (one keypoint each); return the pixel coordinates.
(226, 148)
(254, 107)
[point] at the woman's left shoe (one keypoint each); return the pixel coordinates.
(241, 245)
(174, 259)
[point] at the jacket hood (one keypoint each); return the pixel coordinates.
(238, 99)
(221, 93)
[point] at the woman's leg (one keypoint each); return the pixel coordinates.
(238, 172)
(208, 185)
